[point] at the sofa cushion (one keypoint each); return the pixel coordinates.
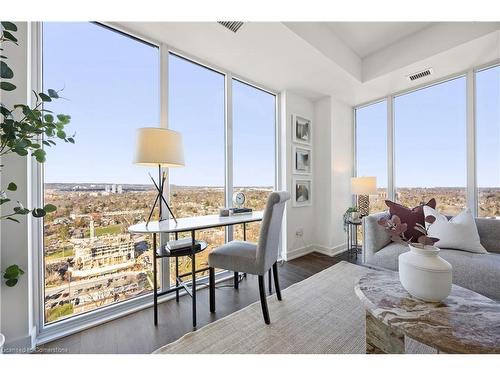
(387, 257)
(459, 232)
(477, 272)
(410, 216)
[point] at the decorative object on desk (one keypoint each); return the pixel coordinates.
(223, 212)
(301, 130)
(363, 187)
(422, 272)
(302, 160)
(302, 192)
(163, 148)
(239, 199)
(349, 216)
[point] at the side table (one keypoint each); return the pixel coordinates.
(352, 237)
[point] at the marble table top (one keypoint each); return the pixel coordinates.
(465, 322)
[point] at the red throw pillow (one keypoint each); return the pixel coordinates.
(410, 216)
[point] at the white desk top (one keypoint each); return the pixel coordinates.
(185, 224)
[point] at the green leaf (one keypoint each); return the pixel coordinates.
(71, 140)
(13, 271)
(5, 71)
(61, 134)
(49, 118)
(7, 86)
(45, 97)
(12, 186)
(12, 219)
(21, 210)
(9, 26)
(4, 200)
(53, 93)
(38, 212)
(4, 111)
(49, 208)
(20, 151)
(11, 282)
(39, 155)
(9, 36)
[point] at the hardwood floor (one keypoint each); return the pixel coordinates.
(136, 333)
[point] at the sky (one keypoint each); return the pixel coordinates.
(111, 83)
(430, 135)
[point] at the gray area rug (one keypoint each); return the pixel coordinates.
(318, 315)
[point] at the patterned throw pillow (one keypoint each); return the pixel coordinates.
(410, 216)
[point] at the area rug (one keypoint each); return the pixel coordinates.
(318, 315)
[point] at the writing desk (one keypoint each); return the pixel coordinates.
(188, 224)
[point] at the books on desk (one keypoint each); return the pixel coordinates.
(179, 246)
(234, 211)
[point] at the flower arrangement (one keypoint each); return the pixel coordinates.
(396, 229)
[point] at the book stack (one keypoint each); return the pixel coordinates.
(179, 246)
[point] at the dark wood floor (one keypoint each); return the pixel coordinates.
(136, 333)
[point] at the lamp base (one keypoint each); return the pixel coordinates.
(363, 205)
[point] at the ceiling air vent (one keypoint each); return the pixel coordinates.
(418, 75)
(234, 26)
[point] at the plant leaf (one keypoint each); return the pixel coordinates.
(430, 219)
(12, 219)
(12, 186)
(38, 212)
(5, 71)
(11, 282)
(9, 26)
(49, 208)
(53, 93)
(45, 97)
(7, 35)
(7, 86)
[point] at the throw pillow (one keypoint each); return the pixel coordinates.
(460, 232)
(410, 216)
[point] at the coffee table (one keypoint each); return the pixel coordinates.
(465, 322)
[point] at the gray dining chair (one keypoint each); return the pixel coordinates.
(251, 258)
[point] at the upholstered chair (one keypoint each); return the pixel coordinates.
(251, 258)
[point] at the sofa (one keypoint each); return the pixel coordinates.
(477, 272)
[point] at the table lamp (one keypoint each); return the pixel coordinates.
(163, 148)
(362, 187)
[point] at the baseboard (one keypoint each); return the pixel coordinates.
(330, 251)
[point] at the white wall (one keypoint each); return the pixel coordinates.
(15, 246)
(321, 223)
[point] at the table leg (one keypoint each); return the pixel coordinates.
(193, 275)
(380, 338)
(155, 283)
(348, 240)
(176, 271)
(356, 239)
(236, 280)
(244, 239)
(270, 283)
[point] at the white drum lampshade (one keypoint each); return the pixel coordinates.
(363, 187)
(159, 146)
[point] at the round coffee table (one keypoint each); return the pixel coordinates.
(465, 322)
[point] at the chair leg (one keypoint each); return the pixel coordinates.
(263, 300)
(270, 282)
(236, 280)
(211, 285)
(276, 281)
(177, 278)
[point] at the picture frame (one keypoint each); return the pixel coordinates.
(302, 192)
(302, 160)
(301, 130)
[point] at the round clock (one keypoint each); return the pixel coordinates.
(239, 199)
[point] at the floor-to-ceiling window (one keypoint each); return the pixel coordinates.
(430, 146)
(371, 149)
(254, 148)
(197, 110)
(488, 141)
(111, 88)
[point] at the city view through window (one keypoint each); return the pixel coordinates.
(430, 145)
(112, 84)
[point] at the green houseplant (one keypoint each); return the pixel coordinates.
(23, 131)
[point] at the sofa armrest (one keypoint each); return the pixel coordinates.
(374, 236)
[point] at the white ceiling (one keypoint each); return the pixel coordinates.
(365, 38)
(321, 59)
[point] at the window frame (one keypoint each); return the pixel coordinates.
(472, 200)
(70, 325)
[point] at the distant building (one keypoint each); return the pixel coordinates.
(102, 255)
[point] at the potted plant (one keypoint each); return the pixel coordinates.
(350, 214)
(422, 272)
(23, 131)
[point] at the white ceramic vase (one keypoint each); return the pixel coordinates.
(424, 274)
